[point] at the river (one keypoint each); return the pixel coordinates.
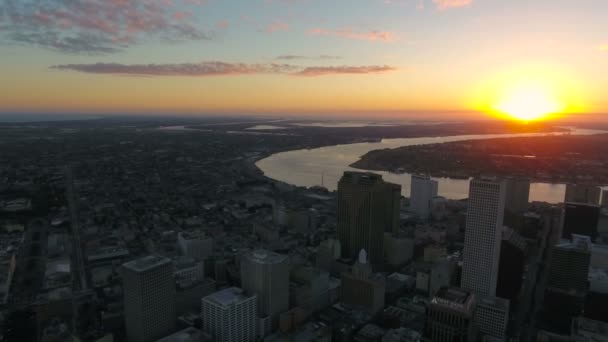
(325, 165)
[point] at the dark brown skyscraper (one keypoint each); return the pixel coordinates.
(367, 207)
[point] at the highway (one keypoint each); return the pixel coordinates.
(78, 263)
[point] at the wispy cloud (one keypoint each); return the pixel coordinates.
(349, 33)
(332, 70)
(277, 26)
(96, 26)
(445, 4)
(301, 57)
(206, 69)
(183, 69)
(222, 24)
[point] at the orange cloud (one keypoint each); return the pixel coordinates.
(320, 71)
(222, 24)
(445, 4)
(349, 33)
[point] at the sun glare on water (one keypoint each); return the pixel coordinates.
(528, 103)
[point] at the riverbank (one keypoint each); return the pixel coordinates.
(325, 165)
(551, 159)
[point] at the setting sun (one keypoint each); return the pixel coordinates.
(528, 103)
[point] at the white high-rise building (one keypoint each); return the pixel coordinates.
(266, 274)
(483, 236)
(149, 298)
(230, 315)
(423, 190)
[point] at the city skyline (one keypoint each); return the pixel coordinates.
(443, 58)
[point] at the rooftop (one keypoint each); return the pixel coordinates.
(187, 335)
(263, 256)
(228, 296)
(586, 327)
(193, 235)
(454, 298)
(146, 263)
(453, 294)
(579, 243)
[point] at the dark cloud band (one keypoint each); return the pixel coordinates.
(217, 69)
(94, 26)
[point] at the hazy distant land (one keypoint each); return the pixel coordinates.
(556, 159)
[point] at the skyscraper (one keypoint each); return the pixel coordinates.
(483, 236)
(513, 252)
(518, 195)
(230, 315)
(583, 193)
(567, 284)
(423, 190)
(580, 219)
(149, 298)
(450, 316)
(266, 275)
(367, 207)
(569, 268)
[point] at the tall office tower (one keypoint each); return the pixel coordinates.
(513, 252)
(492, 317)
(361, 289)
(149, 298)
(230, 315)
(518, 195)
(580, 219)
(367, 207)
(582, 193)
(564, 297)
(569, 267)
(423, 190)
(266, 274)
(483, 236)
(450, 316)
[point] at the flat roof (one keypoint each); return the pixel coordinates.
(580, 243)
(454, 298)
(193, 235)
(146, 263)
(264, 256)
(453, 294)
(584, 326)
(227, 296)
(189, 334)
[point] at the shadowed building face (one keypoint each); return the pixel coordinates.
(367, 208)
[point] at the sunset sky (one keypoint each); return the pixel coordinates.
(299, 56)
